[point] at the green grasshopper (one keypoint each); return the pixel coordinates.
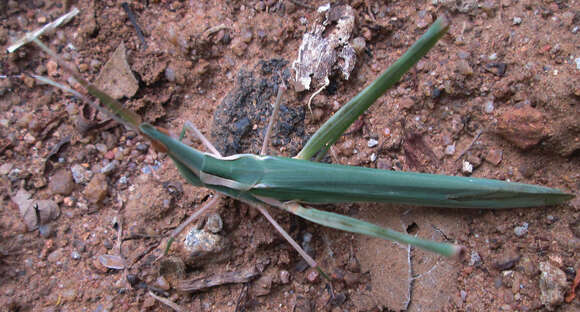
(288, 183)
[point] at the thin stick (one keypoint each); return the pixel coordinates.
(479, 133)
(168, 302)
(284, 234)
(28, 37)
(273, 117)
(133, 20)
(191, 127)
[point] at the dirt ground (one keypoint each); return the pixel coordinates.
(497, 97)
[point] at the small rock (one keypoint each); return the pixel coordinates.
(552, 285)
(358, 44)
(488, 106)
(214, 223)
(75, 255)
(372, 143)
(520, 231)
(110, 167)
(102, 148)
(347, 148)
(55, 255)
(263, 285)
(463, 295)
(142, 147)
(524, 127)
(312, 276)
(506, 261)
(284, 277)
(463, 67)
(474, 259)
(466, 167)
(61, 182)
(47, 210)
(201, 246)
(80, 174)
(494, 156)
(517, 20)
(46, 230)
(162, 283)
(450, 149)
(97, 189)
(239, 47)
(52, 68)
(112, 261)
(116, 77)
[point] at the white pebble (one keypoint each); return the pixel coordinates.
(450, 149)
(521, 230)
(492, 57)
(372, 143)
(373, 157)
(489, 106)
(467, 167)
(517, 20)
(577, 60)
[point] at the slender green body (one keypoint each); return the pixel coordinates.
(288, 179)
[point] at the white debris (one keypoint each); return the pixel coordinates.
(450, 149)
(467, 167)
(521, 230)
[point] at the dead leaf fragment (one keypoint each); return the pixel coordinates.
(326, 49)
(116, 77)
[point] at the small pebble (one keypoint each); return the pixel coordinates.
(450, 149)
(517, 20)
(61, 182)
(312, 276)
(46, 230)
(110, 167)
(75, 255)
(101, 147)
(466, 167)
(80, 174)
(521, 230)
(214, 223)
(284, 277)
(372, 143)
(474, 259)
(492, 57)
(359, 44)
(52, 68)
(577, 60)
(489, 106)
(463, 294)
(373, 157)
(54, 256)
(494, 156)
(97, 189)
(142, 147)
(162, 283)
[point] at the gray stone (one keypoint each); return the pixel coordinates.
(61, 182)
(552, 285)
